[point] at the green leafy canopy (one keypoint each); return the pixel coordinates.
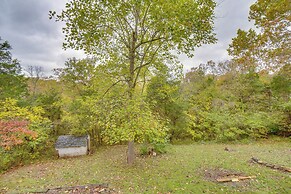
(137, 36)
(102, 27)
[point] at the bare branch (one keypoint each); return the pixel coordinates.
(148, 41)
(154, 38)
(143, 29)
(146, 64)
(114, 84)
(144, 81)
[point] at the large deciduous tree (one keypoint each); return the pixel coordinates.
(35, 74)
(273, 18)
(266, 49)
(12, 83)
(268, 45)
(137, 36)
(77, 73)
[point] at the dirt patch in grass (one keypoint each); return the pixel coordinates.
(216, 173)
(213, 174)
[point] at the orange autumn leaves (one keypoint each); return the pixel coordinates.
(14, 132)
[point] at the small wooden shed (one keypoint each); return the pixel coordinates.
(69, 145)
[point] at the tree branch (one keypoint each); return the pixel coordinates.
(153, 39)
(114, 84)
(146, 64)
(144, 31)
(151, 60)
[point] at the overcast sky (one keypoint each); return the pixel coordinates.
(37, 41)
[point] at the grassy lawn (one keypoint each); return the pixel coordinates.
(183, 169)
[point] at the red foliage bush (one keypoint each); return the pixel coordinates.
(14, 133)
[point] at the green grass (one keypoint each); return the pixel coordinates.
(181, 170)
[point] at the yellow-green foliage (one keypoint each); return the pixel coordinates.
(134, 121)
(10, 110)
(114, 121)
(31, 147)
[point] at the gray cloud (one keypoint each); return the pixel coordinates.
(36, 40)
(230, 16)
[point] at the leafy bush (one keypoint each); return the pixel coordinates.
(283, 126)
(115, 120)
(133, 120)
(224, 126)
(24, 133)
(147, 149)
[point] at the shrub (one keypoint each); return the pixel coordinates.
(23, 133)
(147, 149)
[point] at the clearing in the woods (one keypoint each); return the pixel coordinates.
(193, 168)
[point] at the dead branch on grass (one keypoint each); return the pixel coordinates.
(92, 188)
(273, 166)
(234, 179)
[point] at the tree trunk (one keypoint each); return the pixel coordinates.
(130, 153)
(131, 85)
(131, 65)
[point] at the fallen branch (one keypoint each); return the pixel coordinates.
(234, 179)
(273, 166)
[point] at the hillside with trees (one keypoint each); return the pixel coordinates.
(131, 88)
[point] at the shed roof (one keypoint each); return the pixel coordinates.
(66, 141)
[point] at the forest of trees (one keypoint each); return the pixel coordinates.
(132, 87)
